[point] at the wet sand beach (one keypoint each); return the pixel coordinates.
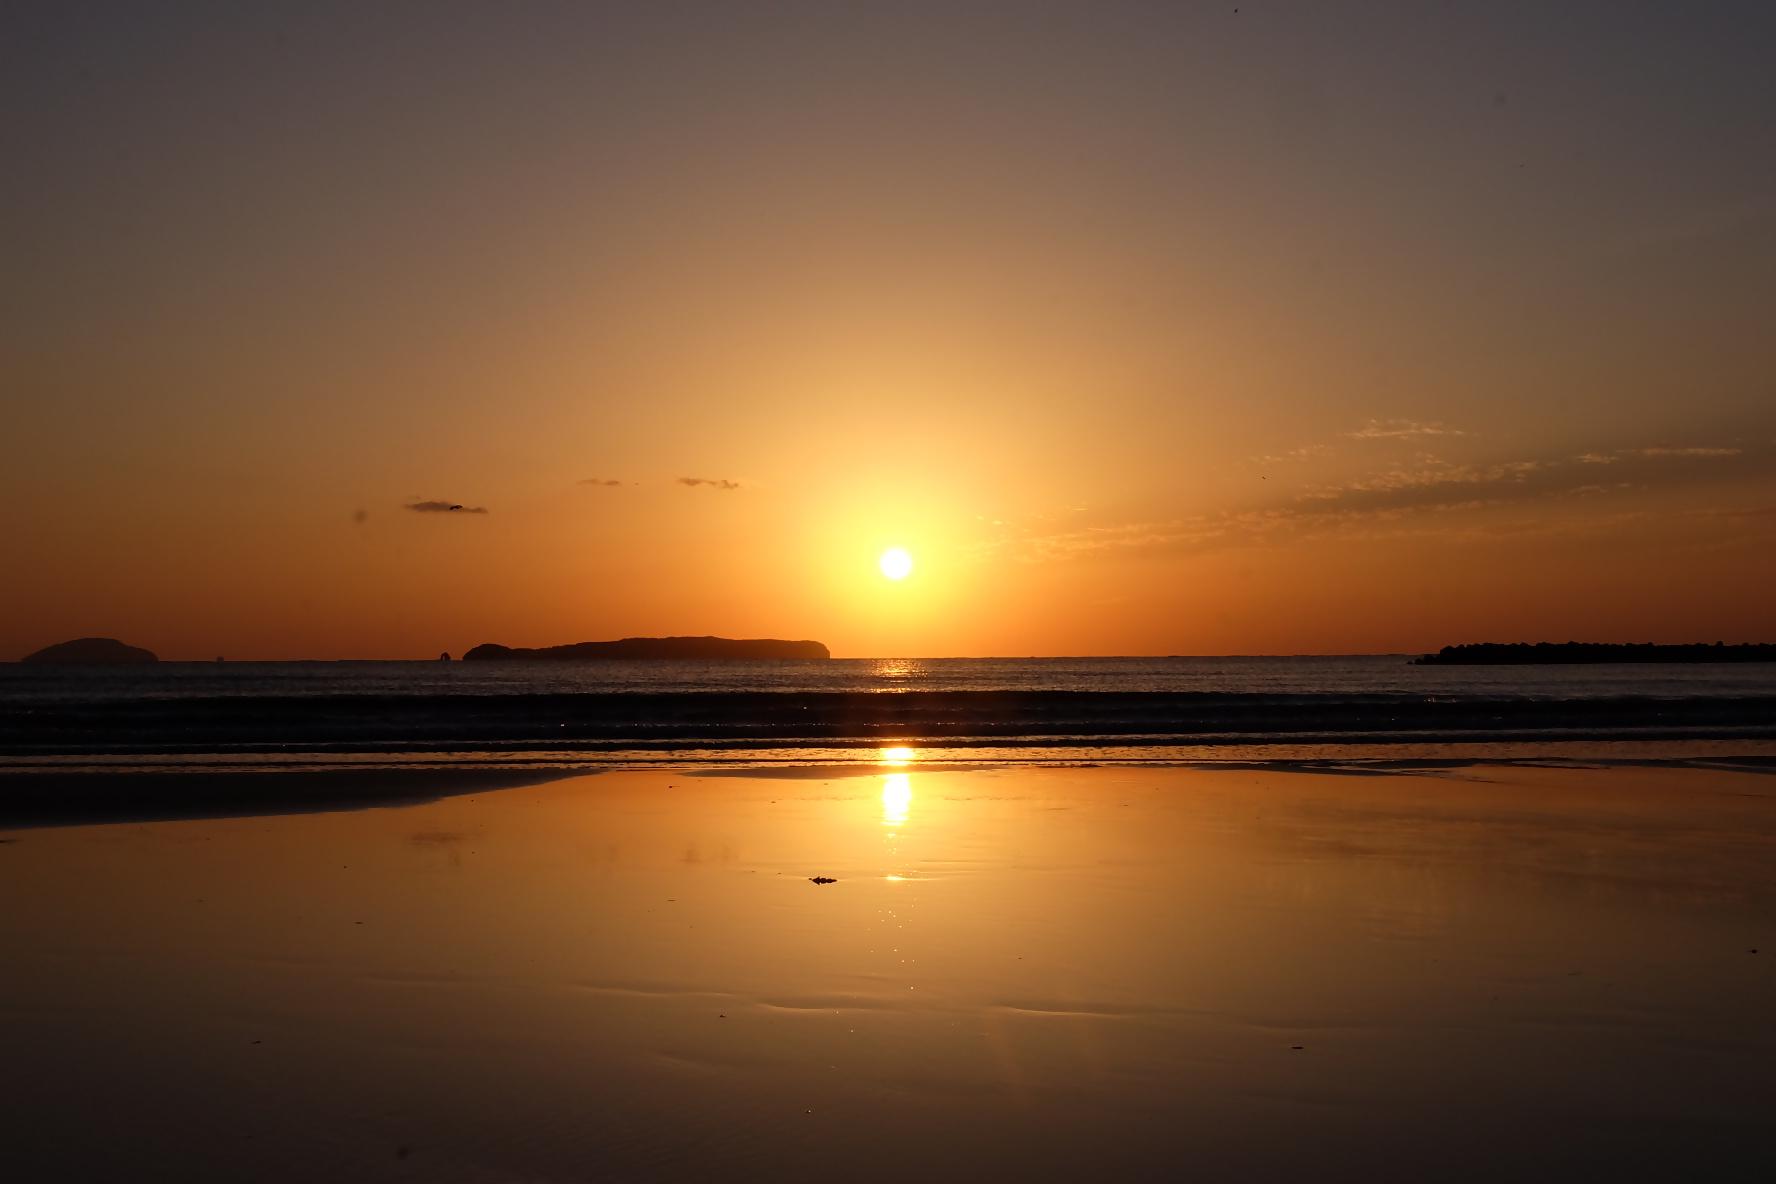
(1479, 971)
(36, 799)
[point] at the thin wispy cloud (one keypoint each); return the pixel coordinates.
(1401, 429)
(434, 507)
(1656, 452)
(1434, 484)
(1375, 429)
(601, 482)
(1698, 452)
(1429, 474)
(711, 482)
(1430, 497)
(1302, 453)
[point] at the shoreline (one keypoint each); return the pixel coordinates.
(85, 797)
(31, 800)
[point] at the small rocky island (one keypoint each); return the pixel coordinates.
(91, 651)
(695, 649)
(1554, 653)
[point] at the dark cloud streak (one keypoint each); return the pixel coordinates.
(1417, 499)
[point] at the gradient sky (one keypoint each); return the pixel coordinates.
(1147, 327)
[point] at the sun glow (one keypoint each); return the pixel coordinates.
(895, 563)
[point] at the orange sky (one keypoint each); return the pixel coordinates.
(1146, 329)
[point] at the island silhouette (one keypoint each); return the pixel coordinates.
(655, 648)
(91, 651)
(1523, 653)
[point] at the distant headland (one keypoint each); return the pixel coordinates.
(701, 649)
(1546, 653)
(91, 651)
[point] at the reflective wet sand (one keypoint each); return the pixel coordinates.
(1053, 973)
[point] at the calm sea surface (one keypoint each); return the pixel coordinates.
(1366, 674)
(950, 709)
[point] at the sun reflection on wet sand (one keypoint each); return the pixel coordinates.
(897, 798)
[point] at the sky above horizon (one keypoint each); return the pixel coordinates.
(1145, 328)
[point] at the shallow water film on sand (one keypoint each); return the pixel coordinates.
(1476, 972)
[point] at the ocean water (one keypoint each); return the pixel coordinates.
(954, 710)
(1353, 675)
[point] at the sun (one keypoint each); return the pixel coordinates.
(895, 563)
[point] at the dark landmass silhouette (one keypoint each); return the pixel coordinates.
(1546, 653)
(91, 651)
(650, 648)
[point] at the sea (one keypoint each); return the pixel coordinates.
(242, 716)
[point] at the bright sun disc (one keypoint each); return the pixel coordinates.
(895, 563)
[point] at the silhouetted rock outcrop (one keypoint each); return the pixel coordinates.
(1545, 653)
(643, 648)
(91, 651)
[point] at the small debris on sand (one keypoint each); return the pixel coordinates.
(822, 880)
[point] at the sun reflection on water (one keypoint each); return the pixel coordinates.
(894, 670)
(897, 756)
